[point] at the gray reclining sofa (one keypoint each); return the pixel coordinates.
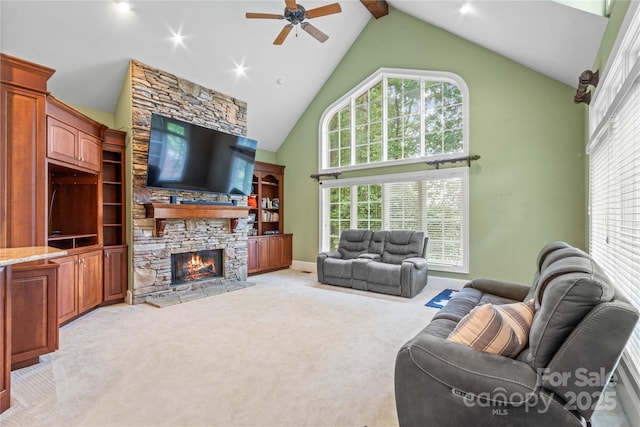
(580, 327)
(390, 262)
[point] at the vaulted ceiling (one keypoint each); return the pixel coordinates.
(90, 43)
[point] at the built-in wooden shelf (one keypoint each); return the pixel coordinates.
(163, 211)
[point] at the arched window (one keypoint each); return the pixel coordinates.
(394, 117)
(397, 117)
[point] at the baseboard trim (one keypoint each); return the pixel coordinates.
(628, 391)
(304, 266)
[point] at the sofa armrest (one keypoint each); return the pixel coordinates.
(330, 254)
(322, 256)
(510, 290)
(468, 372)
(371, 257)
(417, 262)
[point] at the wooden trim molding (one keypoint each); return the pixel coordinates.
(378, 8)
(25, 74)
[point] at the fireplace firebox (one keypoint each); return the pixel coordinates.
(196, 266)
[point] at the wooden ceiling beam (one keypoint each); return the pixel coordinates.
(378, 8)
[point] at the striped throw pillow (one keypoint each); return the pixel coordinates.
(498, 329)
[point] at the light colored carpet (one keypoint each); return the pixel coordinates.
(286, 352)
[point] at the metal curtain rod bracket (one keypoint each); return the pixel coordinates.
(317, 176)
(587, 78)
(467, 159)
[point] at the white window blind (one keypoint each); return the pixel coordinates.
(614, 171)
(434, 202)
(614, 188)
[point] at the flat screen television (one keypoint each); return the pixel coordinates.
(188, 157)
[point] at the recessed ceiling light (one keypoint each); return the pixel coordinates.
(466, 9)
(178, 39)
(241, 70)
(280, 81)
(123, 4)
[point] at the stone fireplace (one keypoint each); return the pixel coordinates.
(196, 266)
(156, 91)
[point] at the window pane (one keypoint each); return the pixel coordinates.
(334, 140)
(334, 159)
(333, 123)
(419, 117)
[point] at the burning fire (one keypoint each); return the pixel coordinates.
(196, 267)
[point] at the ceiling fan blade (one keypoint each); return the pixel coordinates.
(283, 34)
(323, 10)
(291, 4)
(263, 16)
(316, 33)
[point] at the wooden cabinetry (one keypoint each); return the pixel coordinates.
(115, 274)
(5, 339)
(23, 194)
(70, 145)
(74, 166)
(80, 283)
(113, 190)
(115, 258)
(268, 193)
(268, 249)
(268, 253)
(34, 314)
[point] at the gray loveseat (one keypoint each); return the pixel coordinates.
(579, 330)
(390, 262)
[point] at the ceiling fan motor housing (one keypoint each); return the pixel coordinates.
(295, 16)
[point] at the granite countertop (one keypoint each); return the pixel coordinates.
(9, 256)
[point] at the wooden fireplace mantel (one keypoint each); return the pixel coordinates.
(163, 211)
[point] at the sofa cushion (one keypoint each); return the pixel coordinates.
(353, 243)
(402, 244)
(383, 273)
(376, 246)
(497, 329)
(547, 250)
(336, 267)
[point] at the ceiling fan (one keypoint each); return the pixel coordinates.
(297, 14)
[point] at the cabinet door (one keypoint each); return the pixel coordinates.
(263, 253)
(5, 337)
(252, 256)
(34, 315)
(287, 250)
(275, 252)
(67, 288)
(115, 274)
(23, 195)
(62, 141)
(89, 280)
(89, 152)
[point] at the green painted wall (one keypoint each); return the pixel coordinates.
(97, 115)
(266, 156)
(528, 188)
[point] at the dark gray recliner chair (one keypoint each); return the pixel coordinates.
(579, 331)
(400, 269)
(334, 267)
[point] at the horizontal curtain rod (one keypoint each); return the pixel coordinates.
(317, 176)
(467, 159)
